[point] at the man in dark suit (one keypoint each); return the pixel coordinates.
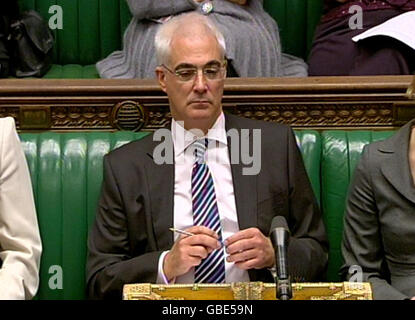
(225, 206)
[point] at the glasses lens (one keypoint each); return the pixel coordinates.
(212, 73)
(186, 74)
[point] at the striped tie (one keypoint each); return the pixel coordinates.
(205, 213)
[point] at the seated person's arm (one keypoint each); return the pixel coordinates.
(362, 240)
(150, 9)
(308, 248)
(241, 2)
(20, 244)
(112, 262)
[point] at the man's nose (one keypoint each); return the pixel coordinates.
(200, 84)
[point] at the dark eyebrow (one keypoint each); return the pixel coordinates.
(213, 63)
(192, 66)
(185, 65)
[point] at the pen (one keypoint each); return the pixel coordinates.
(181, 232)
(188, 233)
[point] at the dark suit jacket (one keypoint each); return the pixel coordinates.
(379, 226)
(136, 210)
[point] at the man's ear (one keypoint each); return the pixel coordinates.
(161, 78)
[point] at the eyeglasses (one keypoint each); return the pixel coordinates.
(213, 70)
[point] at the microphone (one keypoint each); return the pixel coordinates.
(280, 235)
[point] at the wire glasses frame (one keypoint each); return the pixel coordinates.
(211, 71)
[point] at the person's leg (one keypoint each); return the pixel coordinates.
(334, 53)
(382, 55)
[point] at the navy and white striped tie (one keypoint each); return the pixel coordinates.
(206, 213)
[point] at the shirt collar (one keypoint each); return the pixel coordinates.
(182, 138)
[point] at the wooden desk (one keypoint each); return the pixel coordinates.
(247, 291)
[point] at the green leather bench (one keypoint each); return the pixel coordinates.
(341, 151)
(66, 171)
(92, 29)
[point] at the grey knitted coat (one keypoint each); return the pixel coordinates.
(251, 35)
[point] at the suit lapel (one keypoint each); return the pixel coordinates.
(245, 186)
(395, 165)
(161, 192)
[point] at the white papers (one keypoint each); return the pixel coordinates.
(401, 27)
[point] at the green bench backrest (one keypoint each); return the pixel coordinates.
(66, 171)
(92, 29)
(297, 20)
(341, 151)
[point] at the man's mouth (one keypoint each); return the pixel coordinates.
(200, 102)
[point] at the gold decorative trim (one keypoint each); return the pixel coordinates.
(13, 112)
(80, 117)
(410, 92)
(34, 117)
(327, 115)
(239, 291)
(147, 118)
(128, 115)
(361, 289)
(247, 291)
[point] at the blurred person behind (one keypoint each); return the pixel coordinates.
(253, 46)
(334, 53)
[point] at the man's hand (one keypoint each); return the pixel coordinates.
(250, 249)
(413, 298)
(188, 251)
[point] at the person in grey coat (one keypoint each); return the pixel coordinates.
(251, 35)
(379, 225)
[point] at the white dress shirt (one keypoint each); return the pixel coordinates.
(217, 158)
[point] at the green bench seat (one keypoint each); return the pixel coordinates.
(72, 71)
(66, 171)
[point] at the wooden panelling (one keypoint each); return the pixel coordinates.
(312, 103)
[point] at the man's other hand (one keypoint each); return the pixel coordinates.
(250, 249)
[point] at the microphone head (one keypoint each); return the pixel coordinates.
(279, 222)
(280, 238)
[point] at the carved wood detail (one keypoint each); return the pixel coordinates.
(312, 103)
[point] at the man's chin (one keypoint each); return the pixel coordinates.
(201, 116)
(201, 113)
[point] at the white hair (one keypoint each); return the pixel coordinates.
(184, 24)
